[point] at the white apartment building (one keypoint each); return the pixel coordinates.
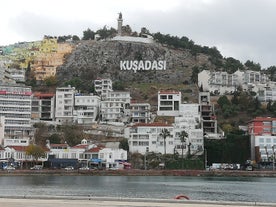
(189, 121)
(43, 106)
(168, 103)
(223, 82)
(86, 108)
(267, 92)
(116, 107)
(144, 138)
(64, 104)
(17, 74)
(103, 87)
(15, 106)
(266, 145)
(140, 112)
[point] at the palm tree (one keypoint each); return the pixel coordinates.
(164, 134)
(183, 136)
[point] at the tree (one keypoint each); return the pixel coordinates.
(252, 66)
(41, 133)
(50, 81)
(124, 144)
(88, 34)
(35, 151)
(75, 38)
(164, 134)
(183, 136)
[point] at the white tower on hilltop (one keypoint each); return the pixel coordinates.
(120, 24)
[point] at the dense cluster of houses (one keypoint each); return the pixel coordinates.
(20, 108)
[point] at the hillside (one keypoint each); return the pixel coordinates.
(101, 59)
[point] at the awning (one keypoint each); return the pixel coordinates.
(96, 161)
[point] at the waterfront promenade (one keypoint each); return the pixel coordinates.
(107, 202)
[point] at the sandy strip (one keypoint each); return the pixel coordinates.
(95, 202)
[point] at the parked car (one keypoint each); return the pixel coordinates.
(9, 168)
(84, 168)
(36, 167)
(69, 168)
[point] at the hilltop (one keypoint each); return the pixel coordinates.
(101, 59)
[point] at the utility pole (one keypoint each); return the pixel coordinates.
(273, 158)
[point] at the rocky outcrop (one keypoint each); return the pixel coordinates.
(101, 59)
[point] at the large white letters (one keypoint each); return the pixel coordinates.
(136, 65)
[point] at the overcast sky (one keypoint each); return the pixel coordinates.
(242, 29)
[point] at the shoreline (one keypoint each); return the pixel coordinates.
(132, 172)
(45, 201)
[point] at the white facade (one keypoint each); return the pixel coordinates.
(140, 112)
(112, 157)
(267, 92)
(17, 74)
(189, 121)
(267, 146)
(144, 138)
(64, 104)
(15, 106)
(18, 153)
(223, 82)
(168, 103)
(103, 87)
(16, 142)
(116, 107)
(2, 129)
(86, 108)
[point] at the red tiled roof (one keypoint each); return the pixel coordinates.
(80, 146)
(18, 148)
(43, 95)
(95, 149)
(263, 119)
(23, 148)
(59, 145)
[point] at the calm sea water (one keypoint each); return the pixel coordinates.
(197, 188)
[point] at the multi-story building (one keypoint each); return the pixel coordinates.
(103, 87)
(43, 106)
(64, 104)
(5, 77)
(116, 107)
(267, 92)
(262, 131)
(168, 103)
(208, 118)
(17, 74)
(144, 138)
(15, 106)
(223, 82)
(140, 112)
(189, 121)
(86, 108)
(111, 158)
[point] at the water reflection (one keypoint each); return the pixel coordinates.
(197, 188)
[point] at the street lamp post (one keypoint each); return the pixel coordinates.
(205, 158)
(273, 158)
